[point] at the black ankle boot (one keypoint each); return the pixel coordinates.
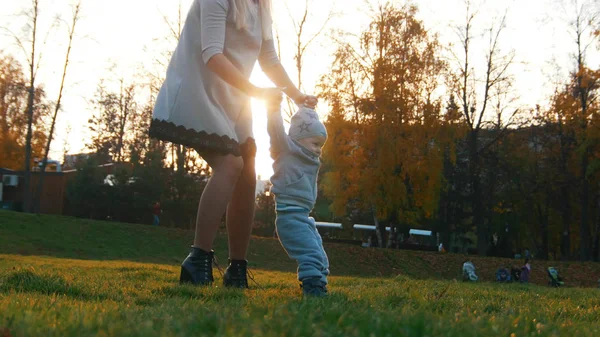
(236, 274)
(197, 267)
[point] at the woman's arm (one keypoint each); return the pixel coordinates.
(277, 74)
(269, 62)
(211, 42)
(220, 65)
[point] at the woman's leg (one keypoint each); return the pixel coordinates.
(240, 212)
(226, 170)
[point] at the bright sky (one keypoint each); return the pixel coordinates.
(122, 34)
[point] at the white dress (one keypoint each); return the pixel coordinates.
(194, 106)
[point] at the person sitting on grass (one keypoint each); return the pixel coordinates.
(525, 271)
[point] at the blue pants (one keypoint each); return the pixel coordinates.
(156, 220)
(299, 237)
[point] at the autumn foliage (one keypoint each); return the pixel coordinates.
(13, 118)
(389, 133)
(417, 141)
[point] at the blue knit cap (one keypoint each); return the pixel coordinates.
(305, 123)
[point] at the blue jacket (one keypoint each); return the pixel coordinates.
(295, 168)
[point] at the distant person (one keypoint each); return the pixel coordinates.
(296, 166)
(515, 273)
(469, 272)
(156, 211)
(503, 275)
(525, 271)
(205, 104)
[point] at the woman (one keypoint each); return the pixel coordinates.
(204, 103)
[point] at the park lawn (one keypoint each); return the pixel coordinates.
(62, 276)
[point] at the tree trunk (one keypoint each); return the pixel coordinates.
(378, 231)
(565, 247)
(446, 202)
(479, 221)
(27, 187)
(444, 227)
(583, 93)
(123, 114)
(584, 226)
(56, 109)
(30, 102)
(180, 152)
(596, 249)
(476, 194)
(543, 219)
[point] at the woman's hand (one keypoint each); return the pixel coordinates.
(267, 94)
(271, 96)
(308, 101)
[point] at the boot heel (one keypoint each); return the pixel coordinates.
(197, 267)
(185, 276)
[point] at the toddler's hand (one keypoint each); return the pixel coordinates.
(308, 101)
(271, 96)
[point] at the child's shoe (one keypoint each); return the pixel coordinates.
(314, 287)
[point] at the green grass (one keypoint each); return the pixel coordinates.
(69, 277)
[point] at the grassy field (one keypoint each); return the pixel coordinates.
(70, 277)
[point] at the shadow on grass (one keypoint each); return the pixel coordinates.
(139, 274)
(28, 281)
(31, 281)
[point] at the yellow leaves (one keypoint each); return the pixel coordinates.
(13, 117)
(389, 137)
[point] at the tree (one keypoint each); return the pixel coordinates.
(71, 34)
(86, 192)
(116, 112)
(585, 84)
(13, 101)
(386, 146)
(453, 199)
(33, 65)
(477, 95)
(534, 182)
(141, 146)
(13, 115)
(573, 115)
